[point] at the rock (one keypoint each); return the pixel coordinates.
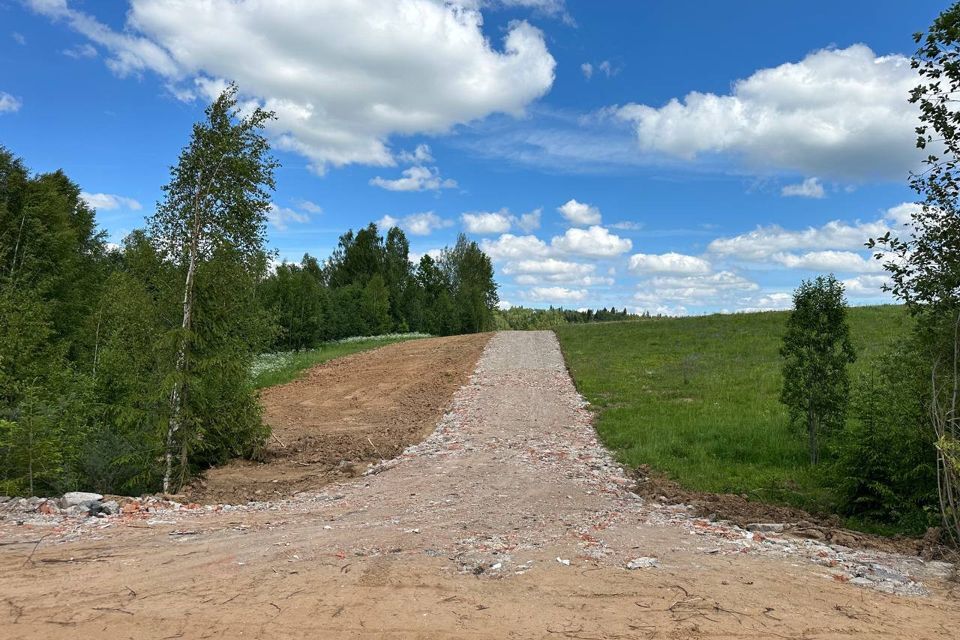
(75, 510)
(131, 507)
(4, 499)
(48, 508)
(642, 562)
(78, 497)
(766, 527)
(110, 507)
(843, 539)
(861, 582)
(563, 561)
(812, 534)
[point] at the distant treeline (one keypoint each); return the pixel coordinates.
(369, 287)
(525, 318)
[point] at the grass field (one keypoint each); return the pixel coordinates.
(697, 398)
(270, 369)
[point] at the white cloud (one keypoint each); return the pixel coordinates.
(483, 222)
(902, 213)
(549, 266)
(415, 256)
(866, 286)
(556, 294)
(504, 305)
(677, 263)
(511, 247)
(587, 70)
(627, 225)
(698, 291)
(109, 201)
(838, 112)
(19, 38)
(420, 155)
(579, 213)
(529, 221)
(415, 178)
(809, 188)
(308, 206)
(596, 242)
(85, 50)
(763, 242)
(835, 261)
(280, 217)
(9, 103)
(342, 76)
(417, 224)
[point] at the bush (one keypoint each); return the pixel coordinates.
(885, 465)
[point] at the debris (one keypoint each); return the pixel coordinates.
(75, 498)
(766, 527)
(563, 561)
(643, 562)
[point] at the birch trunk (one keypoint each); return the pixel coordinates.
(179, 386)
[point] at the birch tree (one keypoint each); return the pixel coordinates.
(216, 202)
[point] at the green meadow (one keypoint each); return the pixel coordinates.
(698, 398)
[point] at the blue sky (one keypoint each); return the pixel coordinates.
(681, 157)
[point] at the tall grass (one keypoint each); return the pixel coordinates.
(698, 398)
(271, 369)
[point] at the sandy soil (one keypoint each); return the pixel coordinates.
(508, 521)
(345, 413)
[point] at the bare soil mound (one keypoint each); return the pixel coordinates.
(342, 415)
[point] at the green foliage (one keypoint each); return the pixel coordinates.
(211, 225)
(924, 263)
(885, 463)
(816, 350)
(369, 287)
(698, 398)
(523, 318)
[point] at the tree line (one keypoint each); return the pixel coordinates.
(368, 286)
(127, 369)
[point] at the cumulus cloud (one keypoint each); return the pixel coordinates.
(833, 261)
(511, 247)
(809, 188)
(579, 213)
(417, 224)
(838, 112)
(109, 201)
(486, 222)
(9, 103)
(587, 69)
(341, 76)
(281, 217)
(866, 286)
(676, 263)
(763, 242)
(556, 294)
(415, 178)
(420, 155)
(699, 291)
(595, 242)
(483, 222)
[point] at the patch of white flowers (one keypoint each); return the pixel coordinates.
(276, 361)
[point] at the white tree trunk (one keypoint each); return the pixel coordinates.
(176, 395)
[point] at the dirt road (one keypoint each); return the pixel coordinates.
(508, 521)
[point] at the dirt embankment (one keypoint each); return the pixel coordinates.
(342, 415)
